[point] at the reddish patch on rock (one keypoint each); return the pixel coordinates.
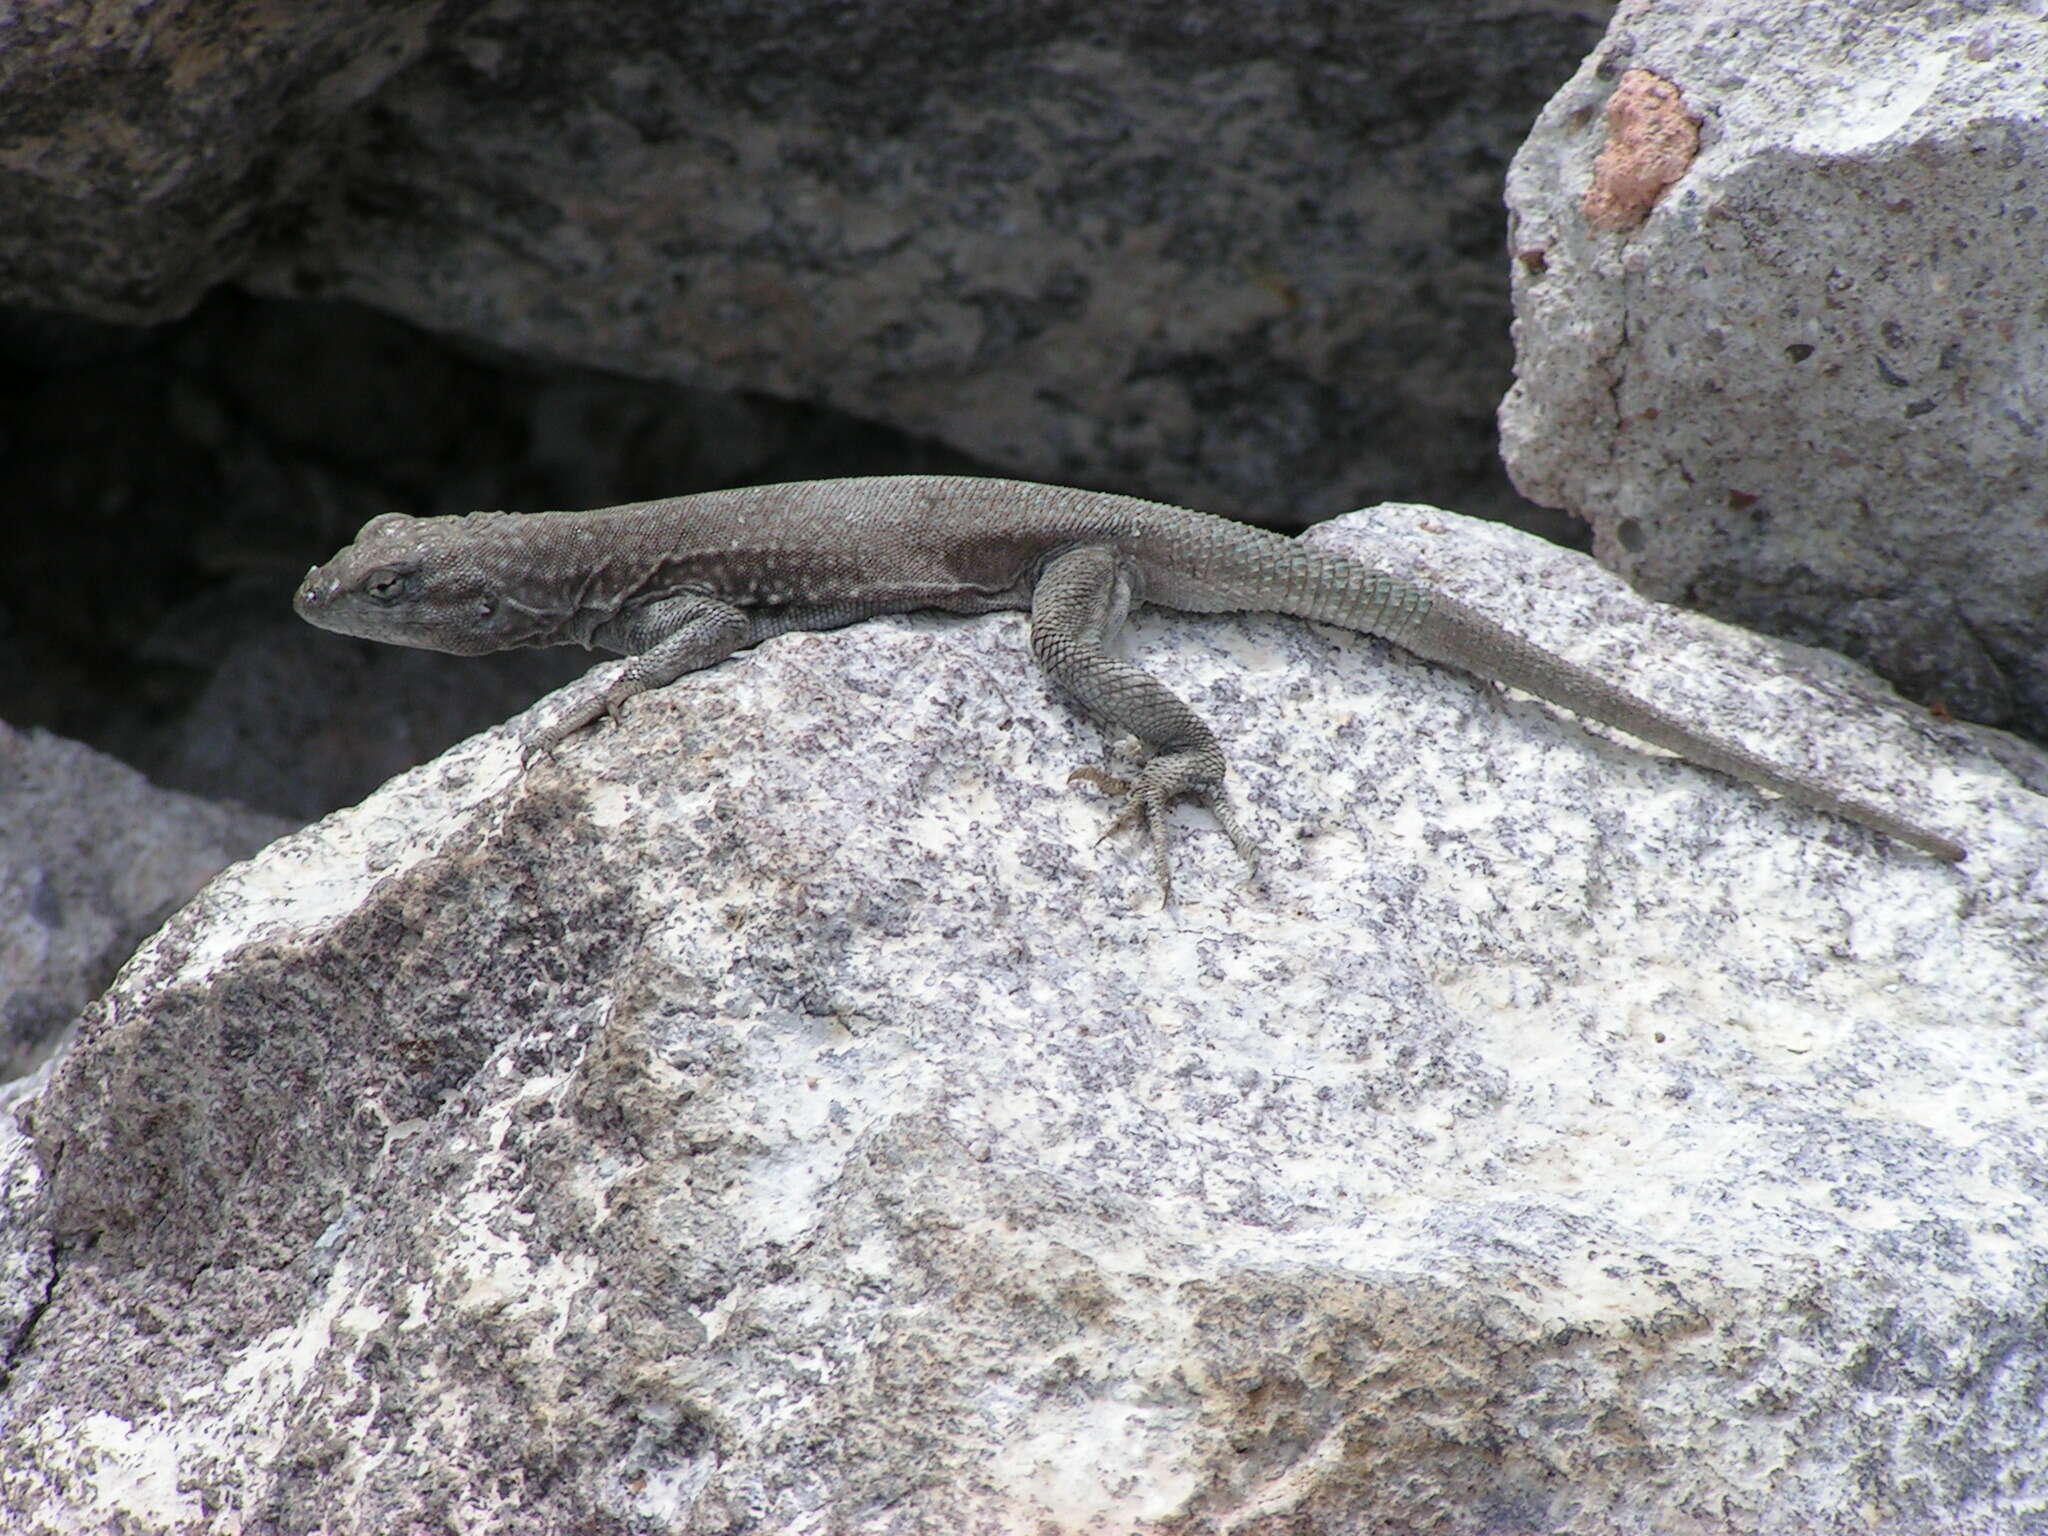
(1651, 142)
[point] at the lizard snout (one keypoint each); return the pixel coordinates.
(314, 591)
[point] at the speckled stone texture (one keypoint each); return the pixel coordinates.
(1805, 385)
(780, 1114)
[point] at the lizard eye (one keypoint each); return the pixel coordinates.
(384, 586)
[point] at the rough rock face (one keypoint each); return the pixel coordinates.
(1806, 387)
(142, 147)
(92, 857)
(780, 1114)
(1211, 250)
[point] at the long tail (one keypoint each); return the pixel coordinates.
(1333, 590)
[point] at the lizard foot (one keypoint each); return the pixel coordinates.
(542, 742)
(1159, 783)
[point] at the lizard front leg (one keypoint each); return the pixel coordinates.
(665, 640)
(1079, 604)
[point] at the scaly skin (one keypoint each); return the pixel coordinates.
(681, 584)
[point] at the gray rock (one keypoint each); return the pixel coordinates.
(781, 1114)
(92, 857)
(1208, 251)
(141, 150)
(1800, 377)
(293, 721)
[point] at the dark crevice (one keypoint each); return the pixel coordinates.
(18, 1344)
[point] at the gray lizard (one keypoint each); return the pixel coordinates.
(683, 583)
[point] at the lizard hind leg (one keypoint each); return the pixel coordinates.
(1077, 607)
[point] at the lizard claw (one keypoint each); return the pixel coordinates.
(1241, 840)
(1151, 796)
(540, 743)
(543, 741)
(1102, 779)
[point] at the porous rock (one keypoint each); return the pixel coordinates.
(779, 1113)
(1805, 385)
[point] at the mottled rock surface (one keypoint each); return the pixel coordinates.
(1206, 250)
(1805, 386)
(781, 1114)
(92, 857)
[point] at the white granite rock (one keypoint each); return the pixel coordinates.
(780, 1114)
(1779, 271)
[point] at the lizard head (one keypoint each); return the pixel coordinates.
(429, 582)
